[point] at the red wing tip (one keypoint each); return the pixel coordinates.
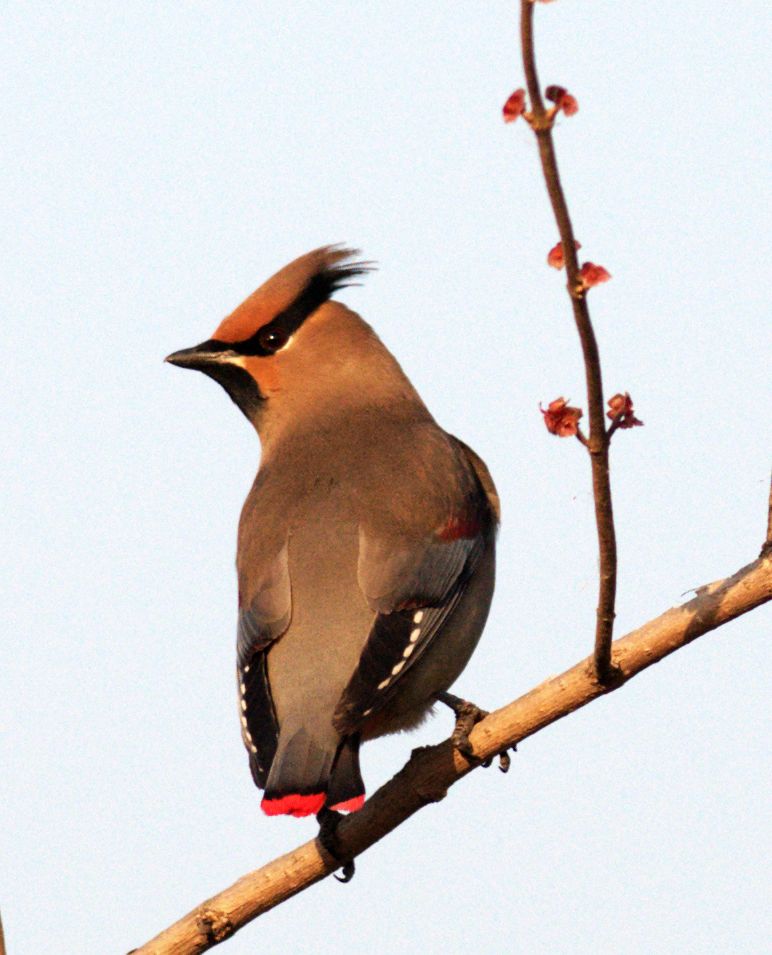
(350, 805)
(294, 805)
(459, 527)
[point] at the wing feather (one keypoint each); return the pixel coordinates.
(262, 620)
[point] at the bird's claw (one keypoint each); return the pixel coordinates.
(347, 871)
(327, 837)
(504, 761)
(467, 716)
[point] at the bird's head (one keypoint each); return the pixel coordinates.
(288, 345)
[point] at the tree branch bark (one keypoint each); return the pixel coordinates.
(598, 442)
(432, 770)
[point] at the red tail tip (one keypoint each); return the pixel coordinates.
(350, 805)
(294, 805)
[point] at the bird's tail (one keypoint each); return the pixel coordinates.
(346, 791)
(306, 775)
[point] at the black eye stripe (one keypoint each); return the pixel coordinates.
(266, 340)
(286, 323)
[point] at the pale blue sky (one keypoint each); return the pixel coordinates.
(160, 161)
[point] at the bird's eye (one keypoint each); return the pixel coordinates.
(272, 339)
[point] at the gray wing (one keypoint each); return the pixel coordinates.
(263, 617)
(414, 587)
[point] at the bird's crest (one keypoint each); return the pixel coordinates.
(300, 287)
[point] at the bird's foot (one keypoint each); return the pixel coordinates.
(329, 820)
(467, 717)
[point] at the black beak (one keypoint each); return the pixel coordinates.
(200, 356)
(222, 362)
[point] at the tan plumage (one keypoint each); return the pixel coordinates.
(366, 545)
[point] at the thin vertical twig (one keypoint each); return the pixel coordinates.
(598, 439)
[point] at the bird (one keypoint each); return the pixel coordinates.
(366, 545)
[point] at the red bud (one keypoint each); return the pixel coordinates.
(568, 104)
(621, 411)
(514, 106)
(555, 258)
(560, 418)
(555, 93)
(591, 274)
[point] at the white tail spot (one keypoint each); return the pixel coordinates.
(244, 705)
(418, 616)
(384, 683)
(408, 650)
(395, 670)
(415, 634)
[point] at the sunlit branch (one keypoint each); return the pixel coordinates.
(431, 770)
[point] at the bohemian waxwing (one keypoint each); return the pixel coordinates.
(365, 547)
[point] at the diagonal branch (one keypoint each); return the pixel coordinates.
(432, 770)
(598, 441)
